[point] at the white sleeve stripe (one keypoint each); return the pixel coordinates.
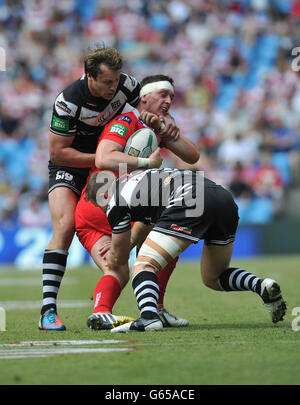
(124, 225)
(121, 230)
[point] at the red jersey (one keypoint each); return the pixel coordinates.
(90, 221)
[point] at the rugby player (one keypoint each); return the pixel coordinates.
(188, 208)
(91, 224)
(80, 113)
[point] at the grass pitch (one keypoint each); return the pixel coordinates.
(230, 340)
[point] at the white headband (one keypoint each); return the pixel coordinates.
(148, 88)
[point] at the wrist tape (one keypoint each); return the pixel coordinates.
(143, 163)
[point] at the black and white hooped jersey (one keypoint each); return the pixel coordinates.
(77, 113)
(143, 197)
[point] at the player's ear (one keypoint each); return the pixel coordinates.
(89, 76)
(144, 98)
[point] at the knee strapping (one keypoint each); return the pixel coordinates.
(157, 251)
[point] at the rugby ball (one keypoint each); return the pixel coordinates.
(142, 143)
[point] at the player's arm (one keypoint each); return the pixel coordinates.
(168, 128)
(184, 148)
(62, 132)
(110, 154)
(164, 124)
(170, 134)
(119, 250)
(62, 153)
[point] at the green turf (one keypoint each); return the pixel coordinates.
(230, 339)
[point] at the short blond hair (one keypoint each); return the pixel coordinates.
(102, 181)
(92, 188)
(110, 57)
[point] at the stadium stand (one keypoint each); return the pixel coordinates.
(236, 94)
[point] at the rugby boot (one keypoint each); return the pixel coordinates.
(50, 321)
(271, 295)
(170, 320)
(140, 325)
(106, 321)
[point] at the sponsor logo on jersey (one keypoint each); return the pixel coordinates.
(59, 123)
(115, 105)
(119, 129)
(63, 175)
(181, 229)
(125, 118)
(63, 106)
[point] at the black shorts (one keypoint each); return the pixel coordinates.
(70, 177)
(217, 224)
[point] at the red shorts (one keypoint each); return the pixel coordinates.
(90, 223)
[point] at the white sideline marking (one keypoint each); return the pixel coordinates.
(215, 342)
(21, 354)
(30, 352)
(28, 281)
(64, 342)
(38, 304)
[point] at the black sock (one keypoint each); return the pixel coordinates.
(146, 291)
(234, 279)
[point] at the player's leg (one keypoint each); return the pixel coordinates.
(217, 274)
(156, 252)
(214, 260)
(107, 290)
(62, 204)
(139, 233)
(168, 319)
(122, 275)
(163, 279)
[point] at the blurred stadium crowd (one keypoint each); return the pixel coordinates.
(236, 94)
